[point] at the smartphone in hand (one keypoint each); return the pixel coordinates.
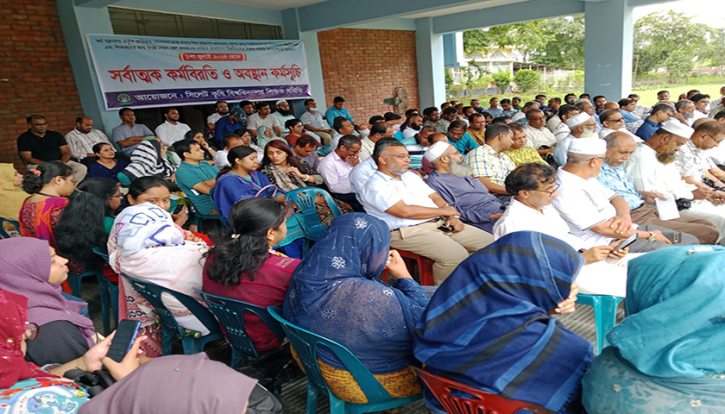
(123, 340)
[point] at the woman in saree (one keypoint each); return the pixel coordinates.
(666, 356)
(50, 185)
(334, 293)
(489, 324)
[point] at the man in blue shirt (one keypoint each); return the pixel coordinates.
(338, 109)
(195, 177)
(494, 109)
(620, 146)
(459, 138)
(660, 113)
(129, 134)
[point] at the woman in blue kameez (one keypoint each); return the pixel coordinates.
(242, 181)
(667, 355)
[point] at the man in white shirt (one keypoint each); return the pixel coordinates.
(539, 137)
(415, 123)
(221, 108)
(342, 127)
(562, 129)
(171, 130)
(581, 126)
(718, 101)
(652, 168)
(263, 119)
(613, 120)
(377, 131)
(420, 221)
(595, 213)
(83, 137)
(534, 187)
(316, 122)
(230, 141)
(702, 106)
(335, 168)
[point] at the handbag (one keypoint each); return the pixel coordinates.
(93, 382)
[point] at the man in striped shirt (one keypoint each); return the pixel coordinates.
(83, 137)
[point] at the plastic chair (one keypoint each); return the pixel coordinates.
(479, 402)
(74, 280)
(230, 313)
(109, 293)
(605, 314)
(123, 179)
(323, 150)
(304, 199)
(170, 328)
(305, 343)
(3, 233)
(425, 267)
(197, 218)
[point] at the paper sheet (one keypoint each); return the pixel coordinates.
(667, 209)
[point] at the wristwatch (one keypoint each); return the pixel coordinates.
(652, 236)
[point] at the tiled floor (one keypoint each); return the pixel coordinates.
(294, 395)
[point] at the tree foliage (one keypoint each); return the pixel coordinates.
(527, 79)
(502, 80)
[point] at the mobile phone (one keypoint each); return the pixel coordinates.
(675, 237)
(631, 239)
(446, 229)
(125, 335)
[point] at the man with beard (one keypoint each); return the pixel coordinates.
(620, 146)
(171, 130)
(686, 108)
(226, 124)
(415, 123)
(419, 219)
(432, 117)
(284, 113)
(599, 102)
(454, 181)
(219, 108)
(652, 168)
(581, 126)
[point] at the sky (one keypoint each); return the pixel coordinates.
(710, 12)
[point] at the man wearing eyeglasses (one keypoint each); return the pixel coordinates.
(693, 161)
(539, 135)
(595, 213)
(38, 145)
(613, 120)
(620, 146)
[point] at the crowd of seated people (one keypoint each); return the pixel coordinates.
(518, 206)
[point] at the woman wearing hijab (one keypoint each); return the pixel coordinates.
(666, 356)
(11, 195)
(149, 158)
(334, 293)
(489, 326)
(145, 244)
(29, 267)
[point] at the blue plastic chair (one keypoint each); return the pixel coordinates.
(123, 179)
(304, 199)
(3, 233)
(230, 313)
(305, 343)
(109, 293)
(323, 150)
(74, 280)
(605, 314)
(169, 327)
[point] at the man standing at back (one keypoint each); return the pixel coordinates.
(420, 221)
(129, 134)
(171, 130)
(338, 109)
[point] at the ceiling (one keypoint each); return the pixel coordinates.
(464, 8)
(273, 4)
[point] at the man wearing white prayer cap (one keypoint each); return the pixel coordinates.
(453, 179)
(581, 125)
(285, 113)
(594, 212)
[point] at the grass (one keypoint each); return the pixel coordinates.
(647, 96)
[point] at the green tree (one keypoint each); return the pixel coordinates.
(525, 37)
(660, 34)
(527, 79)
(449, 79)
(502, 80)
(679, 65)
(565, 46)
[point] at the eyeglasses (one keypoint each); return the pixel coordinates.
(31, 331)
(400, 156)
(713, 138)
(617, 120)
(550, 193)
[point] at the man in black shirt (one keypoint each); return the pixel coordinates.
(38, 145)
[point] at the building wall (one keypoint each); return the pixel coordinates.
(35, 72)
(365, 66)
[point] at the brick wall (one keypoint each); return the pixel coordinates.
(34, 60)
(364, 66)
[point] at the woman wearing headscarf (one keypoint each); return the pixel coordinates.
(334, 293)
(29, 267)
(666, 356)
(489, 326)
(11, 195)
(149, 158)
(145, 244)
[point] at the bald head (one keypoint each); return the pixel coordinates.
(620, 146)
(437, 137)
(84, 124)
(611, 105)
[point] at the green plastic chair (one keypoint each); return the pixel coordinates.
(304, 199)
(305, 343)
(108, 295)
(605, 314)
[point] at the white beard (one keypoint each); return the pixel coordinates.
(460, 169)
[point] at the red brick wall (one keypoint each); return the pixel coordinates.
(34, 60)
(364, 67)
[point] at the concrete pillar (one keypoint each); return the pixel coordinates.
(609, 44)
(290, 26)
(430, 56)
